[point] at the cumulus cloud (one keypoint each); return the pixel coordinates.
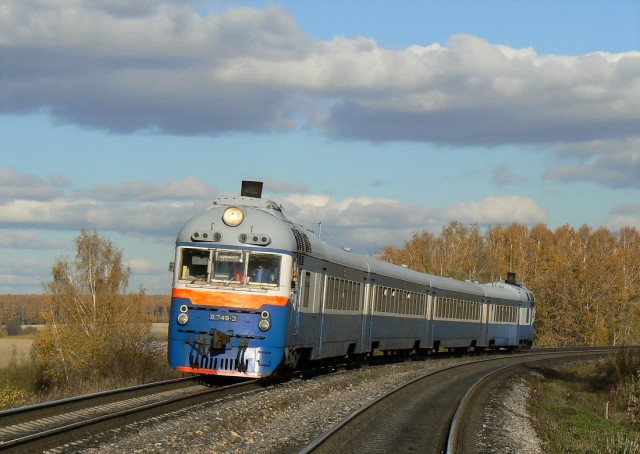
(189, 189)
(130, 207)
(14, 184)
(141, 266)
(628, 209)
(73, 214)
(617, 222)
(169, 67)
(615, 164)
(29, 239)
(627, 215)
(498, 210)
(365, 222)
(26, 267)
(283, 186)
(504, 175)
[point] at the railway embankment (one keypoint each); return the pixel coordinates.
(286, 417)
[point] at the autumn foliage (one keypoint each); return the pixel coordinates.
(94, 329)
(586, 282)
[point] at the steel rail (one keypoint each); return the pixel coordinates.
(62, 423)
(317, 444)
(35, 409)
(455, 428)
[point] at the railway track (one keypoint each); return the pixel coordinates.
(51, 424)
(435, 413)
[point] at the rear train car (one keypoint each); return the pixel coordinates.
(254, 293)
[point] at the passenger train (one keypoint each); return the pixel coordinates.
(254, 293)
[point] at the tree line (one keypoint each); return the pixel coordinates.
(586, 281)
(27, 309)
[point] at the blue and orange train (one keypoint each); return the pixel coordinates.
(254, 293)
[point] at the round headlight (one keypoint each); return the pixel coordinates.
(264, 314)
(184, 308)
(232, 216)
(264, 324)
(183, 318)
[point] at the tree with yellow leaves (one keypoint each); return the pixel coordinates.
(93, 327)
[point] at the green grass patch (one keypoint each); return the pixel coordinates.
(573, 412)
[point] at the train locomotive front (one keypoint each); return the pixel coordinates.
(232, 289)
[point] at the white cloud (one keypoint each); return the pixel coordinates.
(617, 222)
(615, 164)
(189, 189)
(162, 66)
(366, 223)
(73, 214)
(23, 276)
(631, 208)
(14, 184)
(142, 266)
(504, 175)
(498, 210)
(29, 239)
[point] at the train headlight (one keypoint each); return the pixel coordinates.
(264, 324)
(183, 318)
(233, 216)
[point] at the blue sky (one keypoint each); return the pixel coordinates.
(379, 119)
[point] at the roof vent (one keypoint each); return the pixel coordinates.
(302, 241)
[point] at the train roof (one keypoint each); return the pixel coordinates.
(267, 217)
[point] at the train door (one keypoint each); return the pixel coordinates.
(365, 337)
(323, 286)
(486, 318)
(524, 314)
(428, 314)
(299, 294)
(433, 301)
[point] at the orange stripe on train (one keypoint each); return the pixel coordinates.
(228, 299)
(196, 370)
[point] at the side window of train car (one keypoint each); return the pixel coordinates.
(195, 265)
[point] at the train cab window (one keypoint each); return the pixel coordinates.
(228, 267)
(264, 269)
(195, 265)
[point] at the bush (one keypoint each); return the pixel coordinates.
(622, 366)
(631, 392)
(11, 396)
(13, 327)
(19, 382)
(620, 375)
(30, 330)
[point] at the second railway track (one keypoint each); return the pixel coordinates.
(418, 416)
(76, 424)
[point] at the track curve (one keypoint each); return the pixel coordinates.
(417, 416)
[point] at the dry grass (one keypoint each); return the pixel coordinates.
(159, 331)
(19, 344)
(22, 344)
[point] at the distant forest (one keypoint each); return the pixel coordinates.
(27, 308)
(586, 282)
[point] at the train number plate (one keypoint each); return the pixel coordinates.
(223, 317)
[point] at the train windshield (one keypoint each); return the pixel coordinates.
(229, 268)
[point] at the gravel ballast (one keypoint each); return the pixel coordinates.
(286, 417)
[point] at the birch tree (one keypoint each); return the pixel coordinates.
(93, 327)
